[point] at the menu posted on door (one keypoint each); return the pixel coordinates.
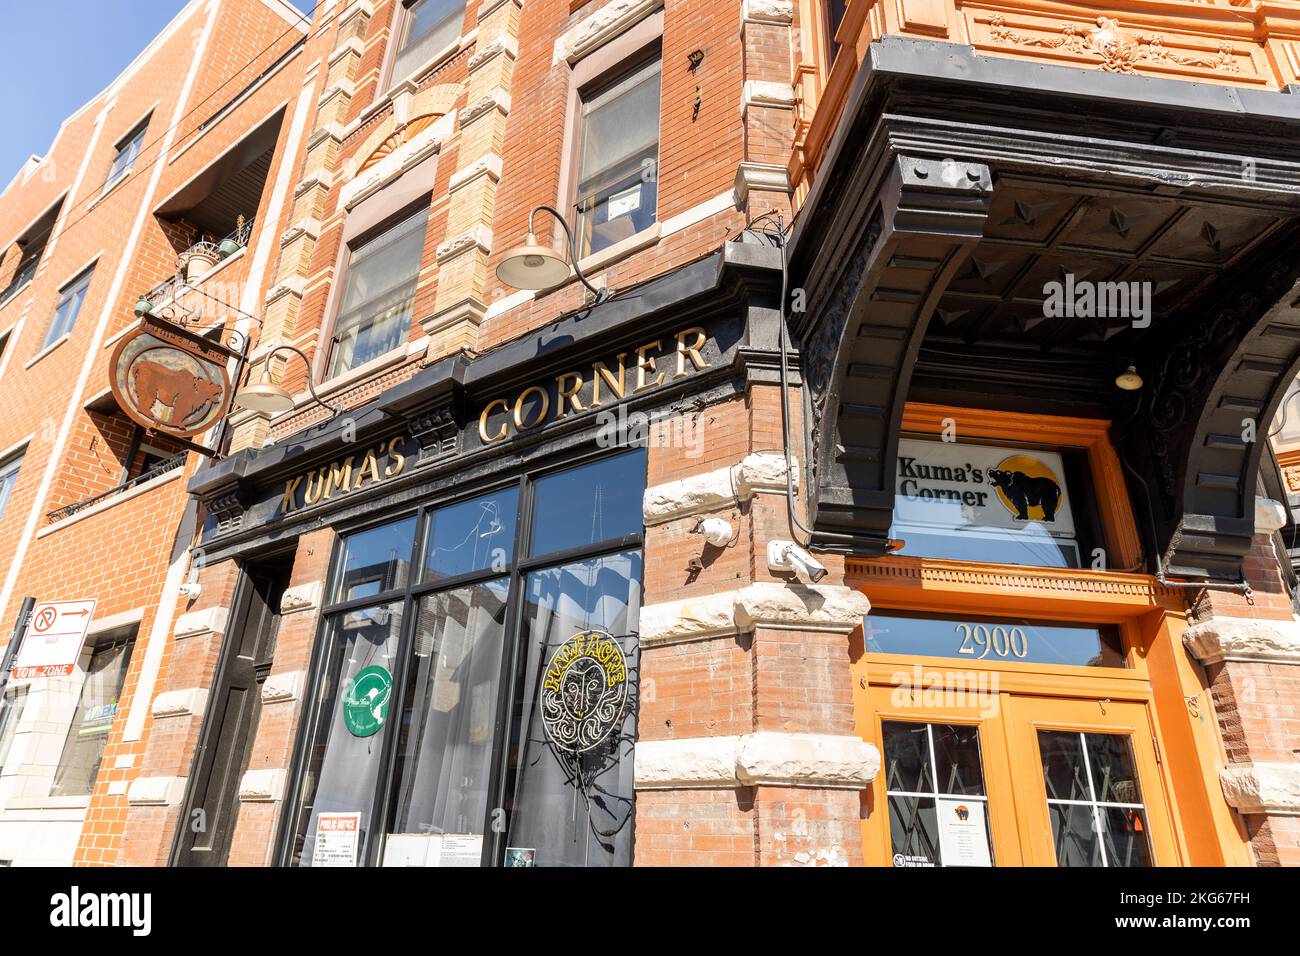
(963, 832)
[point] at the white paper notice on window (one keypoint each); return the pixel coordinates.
(433, 849)
(620, 204)
(338, 835)
(963, 832)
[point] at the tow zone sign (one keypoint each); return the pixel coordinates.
(52, 643)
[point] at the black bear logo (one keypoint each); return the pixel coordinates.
(1024, 492)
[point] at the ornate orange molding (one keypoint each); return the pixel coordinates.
(1233, 42)
(1119, 50)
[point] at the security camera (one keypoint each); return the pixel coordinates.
(716, 531)
(788, 556)
(190, 590)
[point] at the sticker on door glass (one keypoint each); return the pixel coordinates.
(365, 705)
(963, 832)
(584, 691)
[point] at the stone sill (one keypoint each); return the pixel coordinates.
(45, 809)
(47, 350)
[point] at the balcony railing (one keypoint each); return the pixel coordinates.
(161, 468)
(166, 290)
(21, 278)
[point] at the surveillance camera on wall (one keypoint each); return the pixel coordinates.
(716, 531)
(788, 556)
(190, 590)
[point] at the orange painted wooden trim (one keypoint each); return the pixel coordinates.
(1091, 435)
(1260, 37)
(1290, 458)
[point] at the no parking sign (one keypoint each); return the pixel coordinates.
(55, 634)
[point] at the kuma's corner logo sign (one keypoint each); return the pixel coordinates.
(365, 705)
(584, 691)
(170, 380)
(967, 487)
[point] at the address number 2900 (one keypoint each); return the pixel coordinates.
(979, 640)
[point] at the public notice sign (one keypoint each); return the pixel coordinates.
(338, 835)
(56, 632)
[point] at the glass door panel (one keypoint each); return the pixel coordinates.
(1090, 784)
(944, 795)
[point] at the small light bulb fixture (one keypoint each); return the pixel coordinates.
(1129, 380)
(273, 399)
(534, 266)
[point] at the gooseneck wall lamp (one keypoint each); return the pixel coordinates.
(274, 399)
(535, 266)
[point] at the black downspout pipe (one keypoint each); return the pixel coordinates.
(15, 640)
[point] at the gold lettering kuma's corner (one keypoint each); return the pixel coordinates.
(339, 476)
(534, 405)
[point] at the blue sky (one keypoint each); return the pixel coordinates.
(57, 54)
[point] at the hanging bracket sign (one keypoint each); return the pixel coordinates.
(171, 380)
(54, 637)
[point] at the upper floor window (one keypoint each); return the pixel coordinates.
(378, 293)
(31, 246)
(618, 158)
(69, 306)
(834, 17)
(8, 478)
(426, 26)
(128, 150)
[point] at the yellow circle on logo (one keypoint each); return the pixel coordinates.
(1030, 467)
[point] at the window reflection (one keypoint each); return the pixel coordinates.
(589, 504)
(576, 810)
(445, 751)
(343, 764)
(376, 561)
(1093, 799)
(472, 535)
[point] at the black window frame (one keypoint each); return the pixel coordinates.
(513, 657)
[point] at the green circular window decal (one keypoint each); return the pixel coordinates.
(365, 705)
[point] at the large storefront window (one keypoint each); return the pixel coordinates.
(510, 664)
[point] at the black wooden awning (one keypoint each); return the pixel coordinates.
(958, 185)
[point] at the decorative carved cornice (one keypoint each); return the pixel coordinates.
(1119, 50)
